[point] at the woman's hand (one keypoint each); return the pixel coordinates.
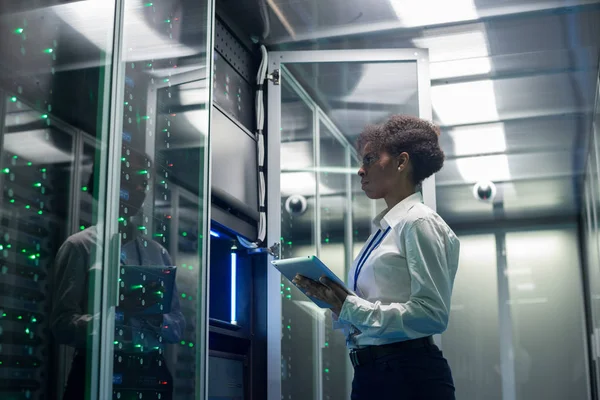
(325, 290)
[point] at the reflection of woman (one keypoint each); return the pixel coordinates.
(403, 276)
(139, 339)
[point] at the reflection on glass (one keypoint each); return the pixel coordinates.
(300, 354)
(165, 125)
(536, 298)
(52, 96)
(472, 341)
(355, 94)
(333, 204)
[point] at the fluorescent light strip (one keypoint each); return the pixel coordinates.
(233, 288)
(213, 233)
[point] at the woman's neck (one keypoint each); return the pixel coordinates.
(402, 193)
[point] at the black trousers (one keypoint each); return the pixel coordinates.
(130, 372)
(410, 374)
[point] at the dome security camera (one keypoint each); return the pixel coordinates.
(295, 205)
(484, 191)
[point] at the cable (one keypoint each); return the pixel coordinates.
(260, 145)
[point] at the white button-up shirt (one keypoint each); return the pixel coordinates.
(404, 278)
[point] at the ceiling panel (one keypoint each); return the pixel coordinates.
(503, 168)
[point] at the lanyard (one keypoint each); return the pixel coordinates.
(372, 246)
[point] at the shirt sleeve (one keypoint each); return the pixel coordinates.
(70, 324)
(426, 312)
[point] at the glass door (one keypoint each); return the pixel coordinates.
(319, 101)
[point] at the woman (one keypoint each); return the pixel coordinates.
(402, 279)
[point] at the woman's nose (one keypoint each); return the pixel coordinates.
(361, 172)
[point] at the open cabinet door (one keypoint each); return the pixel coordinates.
(318, 103)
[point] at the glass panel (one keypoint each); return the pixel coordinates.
(362, 214)
(300, 354)
(352, 95)
(544, 282)
(472, 341)
(54, 77)
(333, 204)
(355, 94)
(161, 207)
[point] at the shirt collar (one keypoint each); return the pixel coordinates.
(390, 217)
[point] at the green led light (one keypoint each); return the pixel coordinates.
(27, 331)
(288, 289)
(29, 164)
(84, 189)
(18, 31)
(134, 287)
(37, 184)
(290, 242)
(165, 130)
(48, 51)
(81, 227)
(3, 314)
(326, 344)
(33, 319)
(12, 200)
(184, 234)
(146, 117)
(44, 116)
(183, 295)
(15, 157)
(6, 170)
(43, 169)
(115, 342)
(191, 344)
(289, 327)
(183, 342)
(282, 285)
(121, 219)
(327, 240)
(158, 235)
(13, 99)
(167, 21)
(122, 158)
(20, 317)
(23, 251)
(326, 370)
(282, 292)
(191, 268)
(138, 345)
(126, 103)
(149, 4)
(32, 257)
(289, 296)
(143, 172)
(142, 228)
(40, 212)
(28, 206)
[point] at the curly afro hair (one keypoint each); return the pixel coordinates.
(415, 136)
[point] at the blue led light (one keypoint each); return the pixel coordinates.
(233, 288)
(213, 233)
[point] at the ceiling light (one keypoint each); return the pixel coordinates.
(429, 12)
(460, 68)
(465, 103)
(484, 168)
(140, 40)
(478, 139)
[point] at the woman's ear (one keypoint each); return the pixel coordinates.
(402, 161)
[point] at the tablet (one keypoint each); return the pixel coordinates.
(310, 267)
(138, 277)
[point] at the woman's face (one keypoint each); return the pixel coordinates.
(379, 172)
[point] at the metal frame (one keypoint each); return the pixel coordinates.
(277, 61)
(110, 170)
